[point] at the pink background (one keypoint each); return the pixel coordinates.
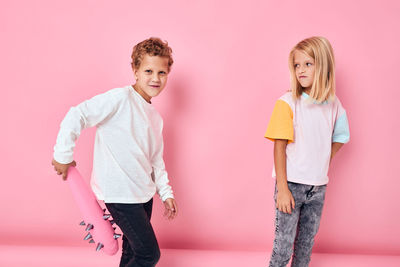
(230, 67)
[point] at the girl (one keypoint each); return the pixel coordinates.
(128, 165)
(308, 126)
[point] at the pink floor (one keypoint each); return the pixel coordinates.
(18, 256)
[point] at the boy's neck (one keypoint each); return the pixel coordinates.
(142, 93)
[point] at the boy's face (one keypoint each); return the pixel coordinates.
(305, 69)
(151, 76)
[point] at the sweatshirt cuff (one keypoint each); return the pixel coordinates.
(63, 159)
(166, 196)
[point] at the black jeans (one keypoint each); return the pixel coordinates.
(139, 243)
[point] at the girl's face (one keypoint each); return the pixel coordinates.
(305, 69)
(151, 76)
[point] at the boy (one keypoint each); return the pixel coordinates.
(128, 166)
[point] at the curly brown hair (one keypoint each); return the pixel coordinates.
(154, 47)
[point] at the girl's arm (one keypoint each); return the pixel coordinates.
(335, 149)
(284, 199)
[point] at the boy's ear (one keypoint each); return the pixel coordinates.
(134, 71)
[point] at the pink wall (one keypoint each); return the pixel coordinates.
(230, 67)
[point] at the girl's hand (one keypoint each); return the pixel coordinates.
(285, 201)
(62, 169)
(171, 209)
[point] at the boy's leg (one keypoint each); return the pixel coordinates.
(285, 228)
(148, 208)
(127, 252)
(310, 216)
(134, 221)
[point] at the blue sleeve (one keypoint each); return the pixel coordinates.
(341, 133)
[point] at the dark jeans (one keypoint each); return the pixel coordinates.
(139, 243)
(299, 228)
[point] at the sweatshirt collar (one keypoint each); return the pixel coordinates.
(140, 97)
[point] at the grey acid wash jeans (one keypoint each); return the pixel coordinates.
(297, 230)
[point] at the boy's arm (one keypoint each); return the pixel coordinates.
(160, 175)
(87, 114)
(284, 199)
(164, 190)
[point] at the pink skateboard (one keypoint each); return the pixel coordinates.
(98, 226)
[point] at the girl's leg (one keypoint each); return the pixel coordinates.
(310, 215)
(134, 221)
(285, 229)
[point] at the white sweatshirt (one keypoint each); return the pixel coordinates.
(128, 165)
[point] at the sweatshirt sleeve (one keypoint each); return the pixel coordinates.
(87, 114)
(160, 175)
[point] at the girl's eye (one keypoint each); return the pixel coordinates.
(309, 64)
(296, 65)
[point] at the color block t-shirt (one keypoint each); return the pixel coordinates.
(310, 129)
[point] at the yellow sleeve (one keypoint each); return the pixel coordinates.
(281, 123)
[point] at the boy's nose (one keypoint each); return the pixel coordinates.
(156, 78)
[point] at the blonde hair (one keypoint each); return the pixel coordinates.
(323, 86)
(154, 47)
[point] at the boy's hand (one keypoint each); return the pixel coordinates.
(62, 169)
(171, 209)
(285, 201)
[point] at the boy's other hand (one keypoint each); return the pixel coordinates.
(171, 209)
(285, 201)
(62, 169)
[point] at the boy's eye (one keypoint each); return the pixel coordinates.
(162, 72)
(148, 71)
